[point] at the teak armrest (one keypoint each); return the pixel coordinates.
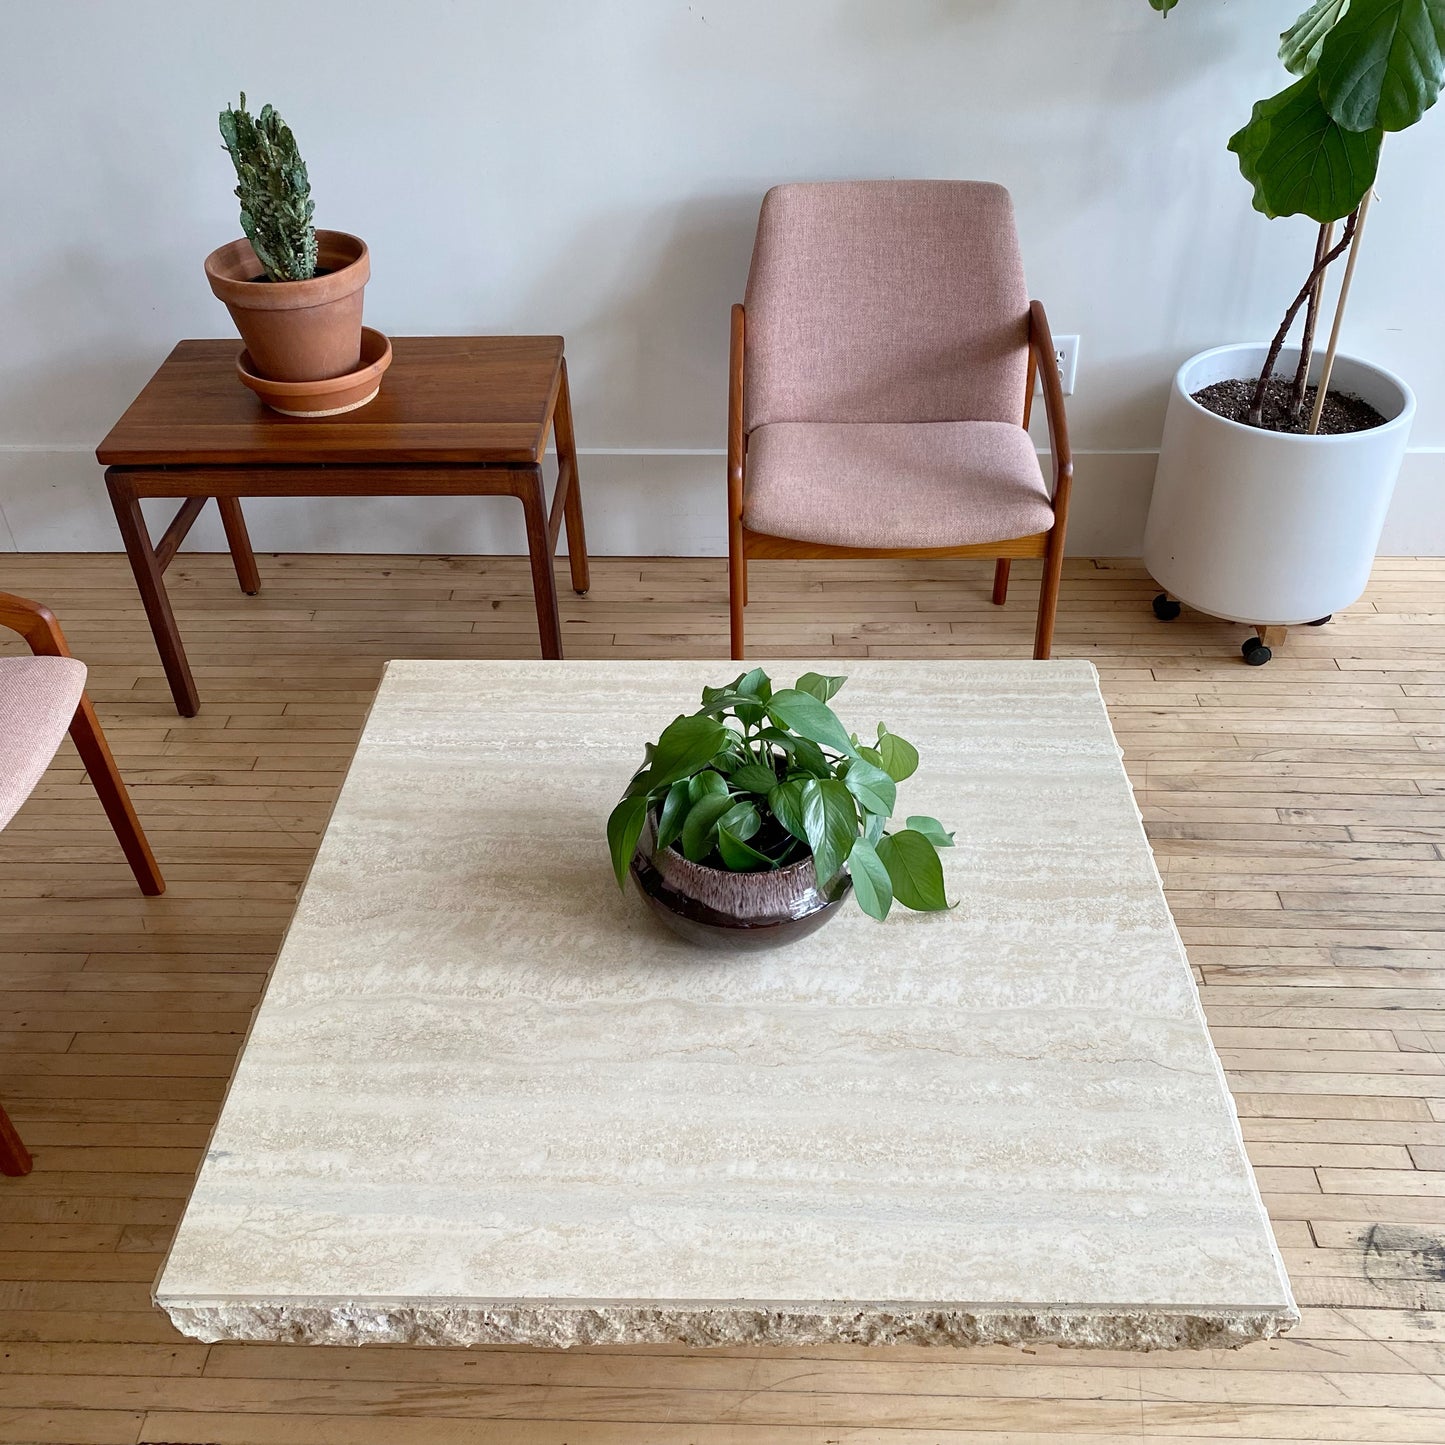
(1041, 343)
(36, 624)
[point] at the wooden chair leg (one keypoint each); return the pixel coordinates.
(737, 589)
(1049, 596)
(1000, 581)
(95, 753)
(15, 1158)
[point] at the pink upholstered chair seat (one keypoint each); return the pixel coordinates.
(38, 698)
(895, 484)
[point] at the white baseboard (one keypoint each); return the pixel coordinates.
(638, 503)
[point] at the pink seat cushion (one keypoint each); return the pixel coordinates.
(924, 484)
(38, 697)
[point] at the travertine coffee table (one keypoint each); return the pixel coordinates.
(488, 1099)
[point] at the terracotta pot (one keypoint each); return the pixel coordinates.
(297, 330)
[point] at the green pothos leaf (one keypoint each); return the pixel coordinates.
(871, 883)
(755, 778)
(740, 856)
(914, 870)
(825, 689)
(624, 828)
(899, 758)
(809, 718)
(699, 832)
(786, 801)
(830, 819)
(674, 814)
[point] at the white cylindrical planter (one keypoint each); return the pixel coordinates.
(1269, 527)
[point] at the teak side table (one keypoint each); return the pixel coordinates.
(457, 416)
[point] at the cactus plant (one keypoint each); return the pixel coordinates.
(274, 191)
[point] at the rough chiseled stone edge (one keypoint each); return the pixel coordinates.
(565, 1326)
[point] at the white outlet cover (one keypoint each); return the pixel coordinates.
(1066, 352)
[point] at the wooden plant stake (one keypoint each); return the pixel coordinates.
(1328, 370)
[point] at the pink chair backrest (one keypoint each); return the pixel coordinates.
(886, 301)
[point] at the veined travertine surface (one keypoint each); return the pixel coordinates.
(488, 1098)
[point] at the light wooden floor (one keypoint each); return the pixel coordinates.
(1298, 813)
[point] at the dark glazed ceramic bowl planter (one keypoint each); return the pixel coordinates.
(719, 909)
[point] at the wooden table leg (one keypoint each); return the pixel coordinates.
(533, 496)
(567, 452)
(152, 587)
(238, 539)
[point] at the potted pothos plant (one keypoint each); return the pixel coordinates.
(294, 293)
(752, 818)
(1278, 462)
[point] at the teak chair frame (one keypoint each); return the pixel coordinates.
(744, 543)
(37, 625)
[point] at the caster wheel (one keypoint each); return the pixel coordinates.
(1166, 609)
(1256, 654)
(1320, 621)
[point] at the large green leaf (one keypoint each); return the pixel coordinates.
(871, 883)
(786, 801)
(687, 744)
(1300, 45)
(875, 790)
(755, 684)
(739, 855)
(1382, 66)
(1300, 161)
(914, 870)
(674, 814)
(825, 689)
(899, 759)
(755, 778)
(830, 819)
(741, 820)
(931, 829)
(1163, 6)
(624, 828)
(699, 833)
(809, 718)
(701, 784)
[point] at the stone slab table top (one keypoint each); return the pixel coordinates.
(487, 1098)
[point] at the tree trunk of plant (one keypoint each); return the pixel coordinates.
(1266, 375)
(1307, 341)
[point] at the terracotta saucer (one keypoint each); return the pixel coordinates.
(331, 397)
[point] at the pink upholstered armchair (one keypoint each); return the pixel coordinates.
(883, 370)
(42, 696)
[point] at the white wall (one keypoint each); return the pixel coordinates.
(594, 166)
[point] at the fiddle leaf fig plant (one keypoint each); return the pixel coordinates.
(760, 777)
(1364, 68)
(274, 191)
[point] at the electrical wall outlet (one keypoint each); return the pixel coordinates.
(1066, 356)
